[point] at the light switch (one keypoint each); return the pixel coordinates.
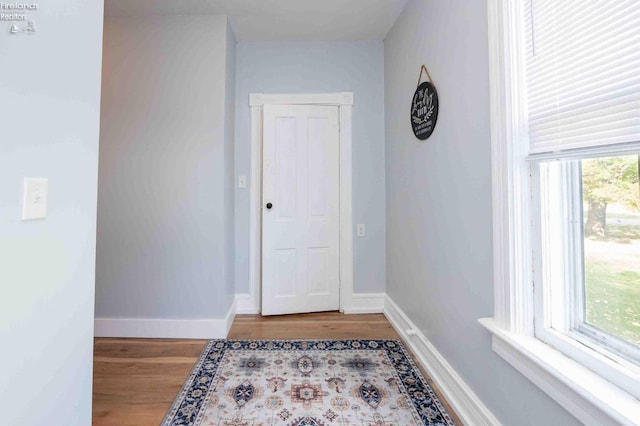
(360, 230)
(34, 204)
(242, 181)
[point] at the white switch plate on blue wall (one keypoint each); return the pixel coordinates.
(34, 205)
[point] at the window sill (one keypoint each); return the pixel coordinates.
(589, 397)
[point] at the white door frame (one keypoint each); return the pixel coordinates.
(344, 102)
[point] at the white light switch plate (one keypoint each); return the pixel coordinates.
(242, 181)
(34, 204)
(360, 230)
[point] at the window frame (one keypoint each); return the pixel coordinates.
(572, 382)
(559, 315)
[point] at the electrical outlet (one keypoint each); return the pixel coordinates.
(34, 203)
(360, 230)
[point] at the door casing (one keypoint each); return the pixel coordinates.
(344, 101)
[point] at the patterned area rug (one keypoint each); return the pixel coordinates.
(306, 383)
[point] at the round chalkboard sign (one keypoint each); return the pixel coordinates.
(424, 110)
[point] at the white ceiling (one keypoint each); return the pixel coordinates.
(261, 20)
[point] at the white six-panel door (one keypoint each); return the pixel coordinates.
(300, 209)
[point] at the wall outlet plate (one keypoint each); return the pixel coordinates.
(34, 203)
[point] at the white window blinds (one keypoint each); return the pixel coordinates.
(583, 73)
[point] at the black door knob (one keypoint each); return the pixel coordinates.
(269, 205)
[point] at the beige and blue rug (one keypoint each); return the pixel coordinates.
(306, 383)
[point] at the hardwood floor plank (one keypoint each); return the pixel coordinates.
(136, 380)
(156, 360)
(131, 415)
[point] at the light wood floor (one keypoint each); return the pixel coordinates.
(136, 380)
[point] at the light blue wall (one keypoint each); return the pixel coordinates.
(439, 231)
(49, 116)
(314, 67)
(166, 161)
(229, 142)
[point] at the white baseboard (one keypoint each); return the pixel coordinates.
(245, 304)
(166, 328)
(365, 303)
(468, 406)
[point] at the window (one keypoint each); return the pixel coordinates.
(611, 252)
(587, 264)
(565, 99)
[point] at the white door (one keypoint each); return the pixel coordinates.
(300, 209)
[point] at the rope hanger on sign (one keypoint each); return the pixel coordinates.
(424, 68)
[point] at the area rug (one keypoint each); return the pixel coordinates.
(306, 383)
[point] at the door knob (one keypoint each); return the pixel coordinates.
(269, 206)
